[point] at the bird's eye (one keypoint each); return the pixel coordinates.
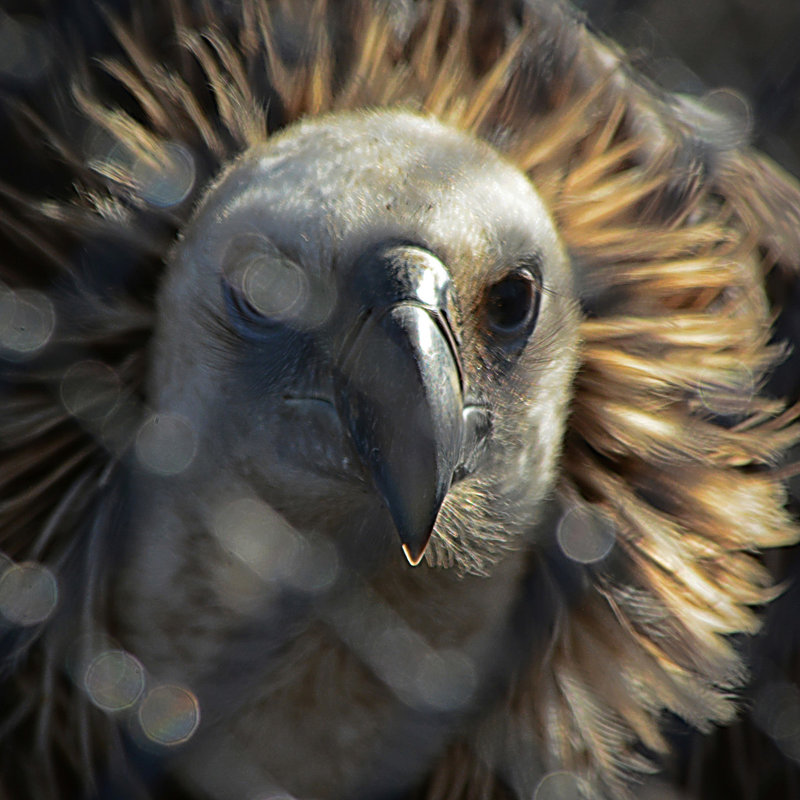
(512, 304)
(263, 286)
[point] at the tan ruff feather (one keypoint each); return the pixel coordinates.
(676, 335)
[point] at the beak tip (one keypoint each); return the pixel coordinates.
(412, 557)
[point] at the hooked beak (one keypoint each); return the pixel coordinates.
(400, 389)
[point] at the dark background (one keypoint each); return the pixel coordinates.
(695, 46)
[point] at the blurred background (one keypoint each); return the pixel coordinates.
(750, 46)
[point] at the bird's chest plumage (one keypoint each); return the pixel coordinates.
(353, 690)
(313, 725)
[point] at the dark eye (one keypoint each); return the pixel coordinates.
(512, 304)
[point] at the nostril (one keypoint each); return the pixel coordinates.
(477, 426)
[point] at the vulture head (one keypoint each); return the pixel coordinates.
(368, 324)
(382, 408)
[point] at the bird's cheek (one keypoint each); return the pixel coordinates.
(314, 437)
(298, 443)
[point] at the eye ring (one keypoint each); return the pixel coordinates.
(511, 305)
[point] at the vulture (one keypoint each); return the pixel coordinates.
(396, 401)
